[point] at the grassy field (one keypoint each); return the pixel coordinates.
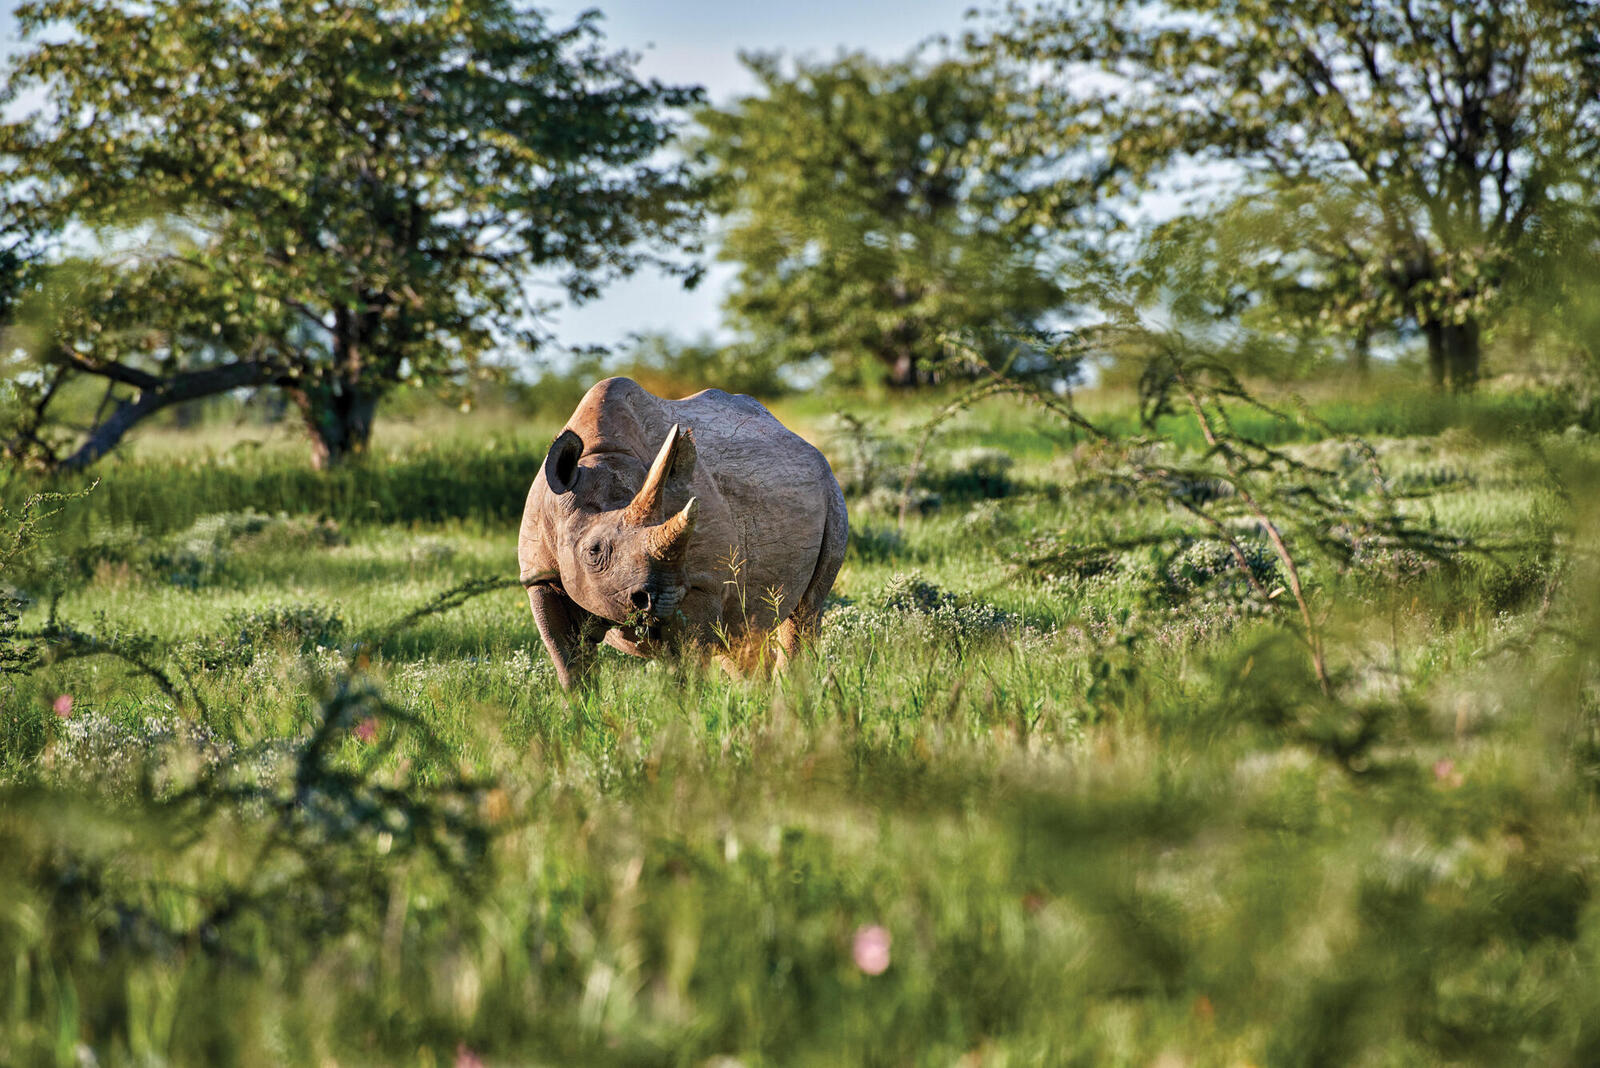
(1059, 783)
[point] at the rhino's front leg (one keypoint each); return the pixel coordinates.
(570, 633)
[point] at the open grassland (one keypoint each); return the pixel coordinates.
(1058, 784)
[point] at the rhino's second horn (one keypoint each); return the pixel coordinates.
(667, 541)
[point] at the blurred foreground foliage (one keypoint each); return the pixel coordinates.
(1098, 802)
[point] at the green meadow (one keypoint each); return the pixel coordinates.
(287, 778)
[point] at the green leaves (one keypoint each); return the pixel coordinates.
(862, 217)
(1389, 167)
(354, 190)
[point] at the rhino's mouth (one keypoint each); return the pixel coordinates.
(666, 603)
(644, 633)
(655, 612)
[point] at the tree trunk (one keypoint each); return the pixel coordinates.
(1463, 351)
(1434, 332)
(903, 371)
(1454, 353)
(1361, 354)
(339, 409)
(338, 420)
(898, 347)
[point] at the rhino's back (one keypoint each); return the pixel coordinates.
(735, 437)
(751, 455)
(780, 491)
(738, 430)
(777, 484)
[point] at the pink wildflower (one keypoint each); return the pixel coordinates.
(366, 730)
(466, 1058)
(871, 949)
(63, 706)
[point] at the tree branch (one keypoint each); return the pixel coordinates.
(186, 386)
(116, 372)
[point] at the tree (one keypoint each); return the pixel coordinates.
(329, 200)
(862, 220)
(1556, 304)
(1396, 159)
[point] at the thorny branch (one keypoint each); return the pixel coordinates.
(1303, 494)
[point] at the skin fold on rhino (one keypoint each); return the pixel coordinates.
(656, 521)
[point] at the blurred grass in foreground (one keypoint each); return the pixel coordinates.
(1104, 814)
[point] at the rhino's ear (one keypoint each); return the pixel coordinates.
(561, 462)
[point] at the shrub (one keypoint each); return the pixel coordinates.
(1210, 567)
(117, 760)
(910, 593)
(198, 556)
(875, 544)
(865, 460)
(989, 520)
(302, 626)
(977, 472)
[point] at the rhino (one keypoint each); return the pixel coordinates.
(654, 523)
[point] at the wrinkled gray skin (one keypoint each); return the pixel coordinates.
(655, 520)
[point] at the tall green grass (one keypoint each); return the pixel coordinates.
(1102, 814)
(436, 468)
(485, 481)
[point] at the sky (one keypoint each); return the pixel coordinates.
(698, 42)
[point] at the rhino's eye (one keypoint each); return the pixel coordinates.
(597, 554)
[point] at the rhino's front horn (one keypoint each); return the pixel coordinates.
(667, 542)
(646, 504)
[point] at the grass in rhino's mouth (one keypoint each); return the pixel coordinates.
(640, 627)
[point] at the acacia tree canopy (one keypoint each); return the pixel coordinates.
(1395, 163)
(325, 199)
(861, 216)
